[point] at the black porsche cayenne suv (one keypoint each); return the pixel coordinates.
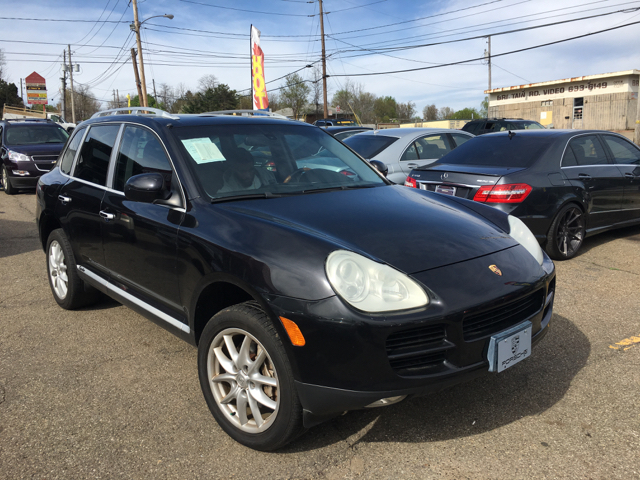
(565, 185)
(308, 291)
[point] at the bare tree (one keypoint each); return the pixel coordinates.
(445, 112)
(430, 113)
(316, 89)
(85, 103)
(207, 82)
(405, 111)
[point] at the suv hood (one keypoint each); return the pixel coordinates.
(38, 149)
(409, 229)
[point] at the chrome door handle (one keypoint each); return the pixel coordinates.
(412, 165)
(64, 200)
(629, 175)
(107, 216)
(584, 176)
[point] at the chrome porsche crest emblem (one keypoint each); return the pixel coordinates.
(495, 270)
(515, 344)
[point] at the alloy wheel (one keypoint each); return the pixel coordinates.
(243, 380)
(570, 232)
(58, 270)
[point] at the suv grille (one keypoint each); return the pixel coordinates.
(413, 351)
(486, 323)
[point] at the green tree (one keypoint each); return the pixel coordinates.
(219, 98)
(484, 108)
(405, 111)
(9, 94)
(465, 114)
(295, 94)
(385, 109)
(151, 102)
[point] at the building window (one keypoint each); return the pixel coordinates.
(577, 108)
(547, 103)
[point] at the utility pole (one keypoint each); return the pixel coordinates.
(324, 64)
(636, 133)
(135, 72)
(154, 91)
(73, 106)
(143, 98)
(489, 58)
(118, 97)
(64, 85)
(114, 98)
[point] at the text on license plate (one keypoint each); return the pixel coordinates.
(446, 189)
(509, 347)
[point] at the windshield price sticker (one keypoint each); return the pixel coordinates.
(203, 150)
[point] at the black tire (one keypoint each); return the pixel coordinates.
(73, 293)
(6, 182)
(244, 382)
(566, 233)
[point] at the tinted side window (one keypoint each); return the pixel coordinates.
(623, 151)
(410, 153)
(433, 146)
(460, 139)
(140, 152)
(588, 150)
(66, 160)
(93, 161)
(569, 159)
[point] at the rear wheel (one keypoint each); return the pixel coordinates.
(247, 380)
(69, 290)
(6, 183)
(566, 233)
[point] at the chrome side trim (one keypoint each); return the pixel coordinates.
(443, 182)
(161, 315)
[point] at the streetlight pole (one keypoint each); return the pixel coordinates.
(136, 28)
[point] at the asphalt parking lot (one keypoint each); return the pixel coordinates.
(105, 393)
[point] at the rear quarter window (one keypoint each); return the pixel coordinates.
(368, 146)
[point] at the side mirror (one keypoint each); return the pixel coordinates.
(380, 166)
(145, 188)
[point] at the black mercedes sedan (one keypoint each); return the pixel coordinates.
(307, 292)
(565, 185)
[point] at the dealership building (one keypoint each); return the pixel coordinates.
(604, 102)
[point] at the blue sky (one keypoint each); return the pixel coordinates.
(204, 39)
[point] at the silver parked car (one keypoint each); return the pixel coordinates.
(403, 149)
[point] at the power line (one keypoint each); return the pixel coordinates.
(492, 55)
(243, 10)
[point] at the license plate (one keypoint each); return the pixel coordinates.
(445, 189)
(509, 347)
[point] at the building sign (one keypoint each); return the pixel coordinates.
(586, 86)
(36, 89)
(258, 87)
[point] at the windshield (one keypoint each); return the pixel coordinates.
(368, 146)
(498, 151)
(232, 161)
(35, 134)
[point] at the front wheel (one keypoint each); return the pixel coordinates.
(247, 380)
(6, 183)
(566, 233)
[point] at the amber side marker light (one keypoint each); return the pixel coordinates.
(295, 335)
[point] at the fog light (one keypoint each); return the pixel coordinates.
(21, 173)
(384, 402)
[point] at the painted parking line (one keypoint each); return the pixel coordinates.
(626, 344)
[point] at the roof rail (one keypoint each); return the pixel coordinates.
(247, 113)
(135, 111)
(29, 119)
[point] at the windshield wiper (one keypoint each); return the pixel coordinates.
(245, 197)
